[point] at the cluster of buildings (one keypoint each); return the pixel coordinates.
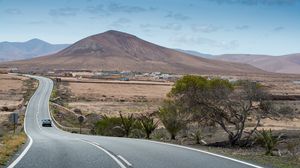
(116, 75)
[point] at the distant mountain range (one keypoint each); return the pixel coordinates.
(24, 50)
(114, 50)
(196, 53)
(279, 64)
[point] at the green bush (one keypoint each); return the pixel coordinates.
(267, 140)
(127, 123)
(172, 117)
(148, 125)
(109, 126)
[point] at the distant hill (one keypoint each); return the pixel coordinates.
(114, 50)
(279, 64)
(24, 50)
(196, 53)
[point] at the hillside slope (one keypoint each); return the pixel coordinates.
(279, 64)
(113, 50)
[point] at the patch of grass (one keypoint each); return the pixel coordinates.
(9, 145)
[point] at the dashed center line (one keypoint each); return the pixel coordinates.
(124, 160)
(107, 152)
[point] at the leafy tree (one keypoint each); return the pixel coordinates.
(172, 117)
(220, 102)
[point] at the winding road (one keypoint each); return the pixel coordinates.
(51, 147)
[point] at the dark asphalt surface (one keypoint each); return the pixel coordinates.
(53, 148)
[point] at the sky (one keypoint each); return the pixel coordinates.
(270, 27)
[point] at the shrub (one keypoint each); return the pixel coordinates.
(127, 123)
(109, 126)
(197, 136)
(267, 140)
(293, 147)
(172, 117)
(148, 125)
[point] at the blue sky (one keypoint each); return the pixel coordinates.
(208, 26)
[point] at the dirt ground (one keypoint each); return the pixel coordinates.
(110, 98)
(11, 94)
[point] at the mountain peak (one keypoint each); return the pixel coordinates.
(36, 41)
(115, 33)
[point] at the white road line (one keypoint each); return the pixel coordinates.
(15, 162)
(36, 115)
(124, 160)
(202, 151)
(108, 153)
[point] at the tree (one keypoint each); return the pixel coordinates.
(172, 117)
(221, 102)
(148, 125)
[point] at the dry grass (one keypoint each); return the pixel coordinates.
(9, 145)
(119, 90)
(11, 90)
(254, 156)
(110, 98)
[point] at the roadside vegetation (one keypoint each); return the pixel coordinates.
(11, 141)
(9, 144)
(211, 114)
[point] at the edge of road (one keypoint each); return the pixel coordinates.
(29, 144)
(202, 151)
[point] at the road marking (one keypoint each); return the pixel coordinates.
(36, 115)
(202, 151)
(15, 162)
(108, 153)
(124, 160)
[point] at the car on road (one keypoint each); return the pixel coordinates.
(46, 123)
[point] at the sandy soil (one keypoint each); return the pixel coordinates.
(11, 91)
(113, 108)
(119, 90)
(110, 98)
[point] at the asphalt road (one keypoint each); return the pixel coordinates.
(51, 147)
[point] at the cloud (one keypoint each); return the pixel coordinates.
(206, 42)
(113, 7)
(279, 28)
(171, 26)
(177, 16)
(13, 11)
(37, 22)
(95, 9)
(205, 28)
(120, 23)
(243, 27)
(256, 2)
(63, 12)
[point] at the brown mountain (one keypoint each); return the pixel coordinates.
(113, 50)
(279, 64)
